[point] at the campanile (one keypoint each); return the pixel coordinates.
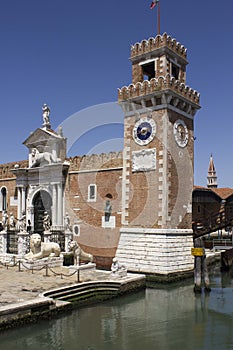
(159, 110)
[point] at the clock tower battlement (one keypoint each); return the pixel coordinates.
(158, 56)
(159, 77)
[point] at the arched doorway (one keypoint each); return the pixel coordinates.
(42, 202)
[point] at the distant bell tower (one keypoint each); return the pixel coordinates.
(212, 177)
(159, 113)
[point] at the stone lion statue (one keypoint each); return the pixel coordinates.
(38, 159)
(79, 254)
(39, 249)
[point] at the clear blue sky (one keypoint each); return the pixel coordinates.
(74, 54)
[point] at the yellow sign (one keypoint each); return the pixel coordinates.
(197, 251)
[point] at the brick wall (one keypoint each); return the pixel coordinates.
(105, 172)
(7, 180)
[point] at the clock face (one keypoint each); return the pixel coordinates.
(181, 134)
(144, 131)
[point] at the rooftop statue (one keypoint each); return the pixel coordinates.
(45, 114)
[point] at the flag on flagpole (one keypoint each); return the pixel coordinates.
(153, 4)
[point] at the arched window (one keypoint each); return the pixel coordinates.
(92, 193)
(3, 201)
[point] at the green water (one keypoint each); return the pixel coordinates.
(162, 319)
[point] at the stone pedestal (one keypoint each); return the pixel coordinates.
(40, 263)
(23, 243)
(156, 251)
(47, 236)
(3, 242)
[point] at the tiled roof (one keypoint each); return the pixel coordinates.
(223, 193)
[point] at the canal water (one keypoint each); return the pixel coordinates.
(156, 318)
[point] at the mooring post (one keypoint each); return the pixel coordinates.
(46, 270)
(200, 266)
(78, 276)
(19, 265)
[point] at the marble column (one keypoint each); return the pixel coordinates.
(59, 205)
(23, 205)
(19, 209)
(54, 205)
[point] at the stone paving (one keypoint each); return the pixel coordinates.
(18, 286)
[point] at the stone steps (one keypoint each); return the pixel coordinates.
(80, 291)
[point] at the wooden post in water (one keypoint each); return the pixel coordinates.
(200, 267)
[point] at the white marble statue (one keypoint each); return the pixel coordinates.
(22, 225)
(4, 220)
(12, 221)
(46, 221)
(40, 158)
(45, 114)
(79, 254)
(67, 225)
(40, 250)
(118, 269)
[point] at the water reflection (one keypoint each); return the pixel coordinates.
(163, 319)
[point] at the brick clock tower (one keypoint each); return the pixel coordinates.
(159, 108)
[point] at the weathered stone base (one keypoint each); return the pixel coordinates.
(38, 264)
(88, 266)
(156, 251)
(9, 258)
(16, 314)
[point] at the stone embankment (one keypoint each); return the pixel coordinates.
(26, 296)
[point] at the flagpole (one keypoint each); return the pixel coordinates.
(158, 18)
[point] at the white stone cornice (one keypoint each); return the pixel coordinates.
(156, 231)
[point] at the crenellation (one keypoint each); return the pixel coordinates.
(158, 84)
(96, 161)
(5, 169)
(159, 41)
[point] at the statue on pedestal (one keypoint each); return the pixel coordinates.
(79, 254)
(12, 221)
(45, 114)
(67, 225)
(22, 225)
(4, 220)
(46, 221)
(117, 269)
(107, 210)
(40, 250)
